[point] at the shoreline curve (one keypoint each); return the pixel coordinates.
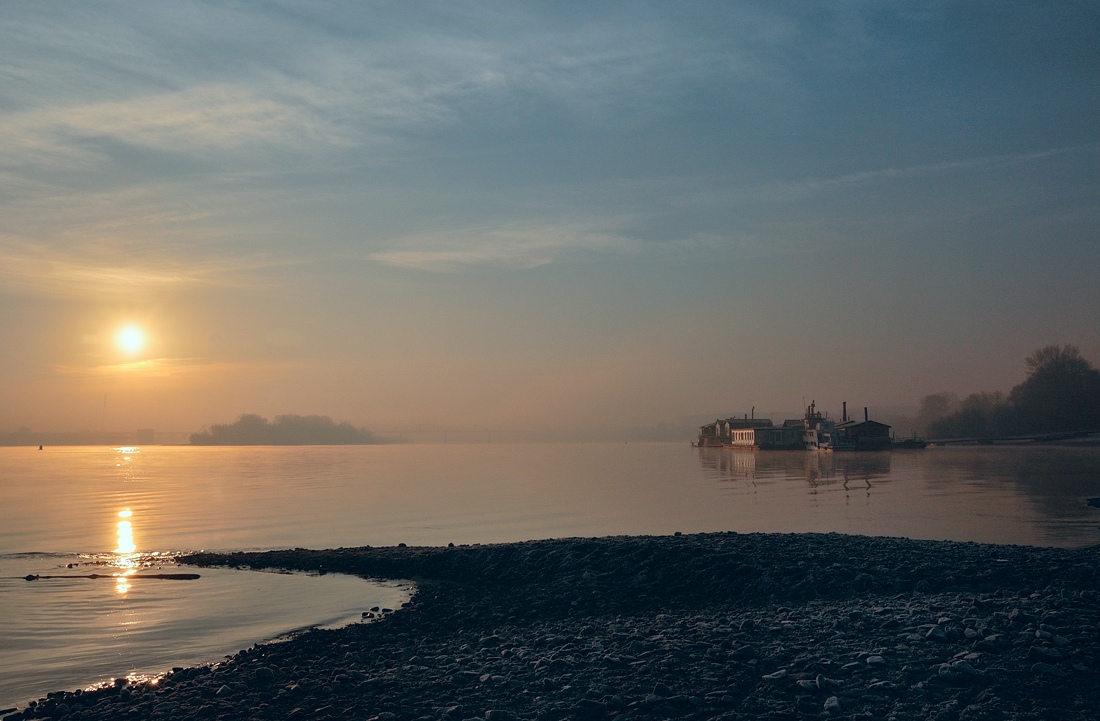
(703, 626)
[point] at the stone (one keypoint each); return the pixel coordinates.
(1043, 668)
(1042, 653)
(937, 633)
(743, 653)
(832, 705)
(965, 667)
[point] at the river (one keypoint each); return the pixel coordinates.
(120, 511)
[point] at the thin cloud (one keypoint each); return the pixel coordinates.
(681, 194)
(36, 269)
(149, 368)
(508, 247)
(211, 118)
(815, 185)
(337, 91)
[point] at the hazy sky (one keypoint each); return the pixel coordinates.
(554, 215)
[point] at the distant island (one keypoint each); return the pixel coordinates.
(289, 430)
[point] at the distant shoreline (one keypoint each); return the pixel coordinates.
(1086, 440)
(116, 444)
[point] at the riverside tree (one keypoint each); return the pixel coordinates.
(1061, 394)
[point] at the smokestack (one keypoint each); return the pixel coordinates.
(844, 414)
(864, 414)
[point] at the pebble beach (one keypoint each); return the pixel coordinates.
(707, 626)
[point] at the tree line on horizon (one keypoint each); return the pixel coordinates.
(1061, 394)
(288, 430)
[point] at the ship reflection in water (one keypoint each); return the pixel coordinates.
(848, 470)
(1028, 494)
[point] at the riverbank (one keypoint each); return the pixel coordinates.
(757, 626)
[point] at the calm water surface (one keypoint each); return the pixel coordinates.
(108, 508)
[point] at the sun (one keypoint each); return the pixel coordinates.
(130, 339)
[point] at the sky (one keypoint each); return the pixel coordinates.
(555, 218)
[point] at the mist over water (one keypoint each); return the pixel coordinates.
(186, 498)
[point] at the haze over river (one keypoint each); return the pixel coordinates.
(114, 510)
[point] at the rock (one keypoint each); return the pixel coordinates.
(264, 675)
(832, 705)
(1043, 668)
(965, 667)
(883, 687)
(1018, 616)
(937, 633)
(1042, 653)
(946, 711)
(589, 709)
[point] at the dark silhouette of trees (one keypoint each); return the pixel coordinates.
(934, 407)
(290, 430)
(1062, 391)
(1061, 394)
(980, 415)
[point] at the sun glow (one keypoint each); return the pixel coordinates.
(130, 339)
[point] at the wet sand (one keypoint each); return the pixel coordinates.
(728, 626)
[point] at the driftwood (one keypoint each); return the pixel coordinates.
(165, 576)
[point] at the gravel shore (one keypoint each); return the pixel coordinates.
(711, 626)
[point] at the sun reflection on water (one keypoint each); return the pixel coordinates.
(126, 453)
(127, 558)
(125, 533)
